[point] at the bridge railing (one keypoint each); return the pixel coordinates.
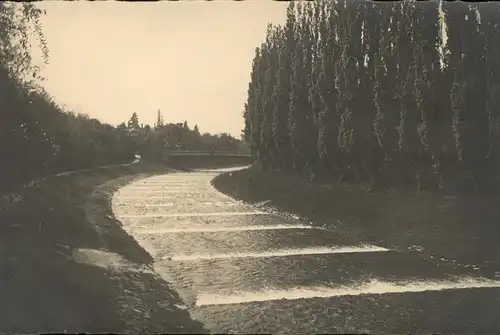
(199, 152)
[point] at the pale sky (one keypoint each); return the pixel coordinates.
(190, 59)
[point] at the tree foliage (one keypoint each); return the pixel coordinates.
(397, 94)
(156, 142)
(38, 137)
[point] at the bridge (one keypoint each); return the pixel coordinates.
(208, 153)
(207, 159)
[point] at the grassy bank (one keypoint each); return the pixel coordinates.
(45, 290)
(459, 229)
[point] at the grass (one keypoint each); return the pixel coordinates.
(459, 229)
(43, 290)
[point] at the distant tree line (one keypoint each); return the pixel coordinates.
(154, 142)
(396, 93)
(38, 137)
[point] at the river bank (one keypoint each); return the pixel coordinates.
(444, 227)
(60, 244)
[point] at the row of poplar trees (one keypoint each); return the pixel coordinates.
(397, 94)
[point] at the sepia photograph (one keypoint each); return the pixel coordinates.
(250, 167)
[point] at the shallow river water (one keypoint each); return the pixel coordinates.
(243, 270)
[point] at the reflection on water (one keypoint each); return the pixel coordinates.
(106, 259)
(243, 270)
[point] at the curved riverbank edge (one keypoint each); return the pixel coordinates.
(59, 240)
(447, 228)
(144, 300)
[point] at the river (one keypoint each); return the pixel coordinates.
(243, 270)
